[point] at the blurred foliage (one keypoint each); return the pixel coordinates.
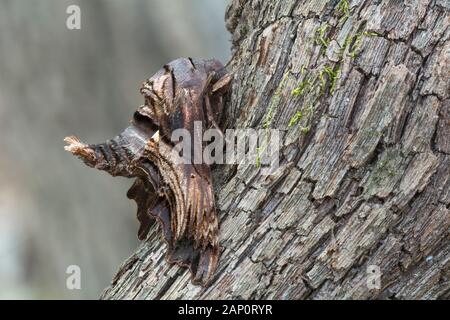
(54, 82)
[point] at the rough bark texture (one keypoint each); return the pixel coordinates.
(361, 93)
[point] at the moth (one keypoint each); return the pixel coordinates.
(177, 195)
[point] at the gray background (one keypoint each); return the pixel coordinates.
(54, 82)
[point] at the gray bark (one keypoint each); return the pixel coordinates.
(364, 171)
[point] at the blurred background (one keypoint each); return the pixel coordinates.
(54, 82)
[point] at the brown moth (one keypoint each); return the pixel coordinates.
(177, 195)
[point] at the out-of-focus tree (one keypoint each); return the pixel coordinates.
(55, 82)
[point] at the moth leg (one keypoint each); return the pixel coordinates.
(210, 115)
(143, 193)
(215, 92)
(222, 85)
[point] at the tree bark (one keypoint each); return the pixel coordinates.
(360, 90)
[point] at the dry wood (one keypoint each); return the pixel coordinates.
(361, 93)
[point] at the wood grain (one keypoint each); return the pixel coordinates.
(364, 174)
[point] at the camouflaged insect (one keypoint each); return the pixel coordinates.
(177, 195)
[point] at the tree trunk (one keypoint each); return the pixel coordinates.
(360, 90)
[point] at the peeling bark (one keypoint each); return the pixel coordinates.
(364, 174)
